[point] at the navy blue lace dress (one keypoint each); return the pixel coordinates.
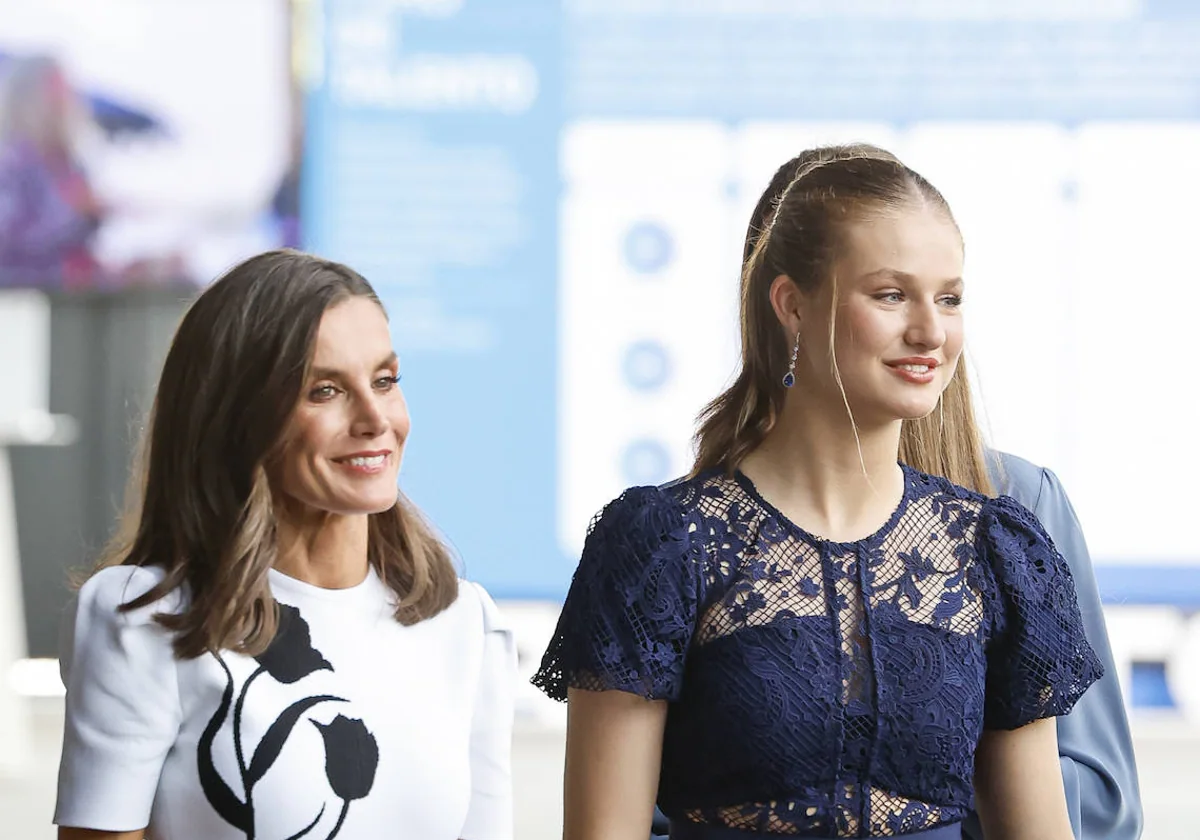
(822, 689)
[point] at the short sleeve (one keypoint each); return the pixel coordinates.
(629, 615)
(122, 704)
(490, 812)
(1039, 658)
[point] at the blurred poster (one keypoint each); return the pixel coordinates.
(553, 197)
(175, 127)
(431, 166)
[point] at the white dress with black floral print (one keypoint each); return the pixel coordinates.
(350, 725)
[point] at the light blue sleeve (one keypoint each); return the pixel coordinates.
(1094, 744)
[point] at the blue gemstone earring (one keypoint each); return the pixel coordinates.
(789, 378)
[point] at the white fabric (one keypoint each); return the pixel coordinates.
(436, 697)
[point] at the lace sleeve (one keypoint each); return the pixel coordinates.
(628, 618)
(1039, 658)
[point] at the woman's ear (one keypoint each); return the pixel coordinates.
(788, 303)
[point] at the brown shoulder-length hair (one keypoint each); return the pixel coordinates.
(793, 230)
(200, 506)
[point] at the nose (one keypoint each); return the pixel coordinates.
(925, 329)
(369, 419)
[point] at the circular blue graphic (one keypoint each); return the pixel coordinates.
(646, 461)
(649, 247)
(646, 366)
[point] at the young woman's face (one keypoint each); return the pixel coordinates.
(346, 436)
(898, 323)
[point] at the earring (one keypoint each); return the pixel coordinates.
(789, 378)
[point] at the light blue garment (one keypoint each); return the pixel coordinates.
(1094, 745)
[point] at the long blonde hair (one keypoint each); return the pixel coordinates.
(200, 506)
(794, 230)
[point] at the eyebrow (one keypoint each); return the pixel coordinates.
(903, 276)
(329, 373)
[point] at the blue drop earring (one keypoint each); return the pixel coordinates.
(789, 378)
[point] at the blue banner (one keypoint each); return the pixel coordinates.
(549, 196)
(431, 167)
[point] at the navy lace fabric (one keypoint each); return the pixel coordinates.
(822, 689)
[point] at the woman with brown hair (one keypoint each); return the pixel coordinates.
(276, 644)
(808, 636)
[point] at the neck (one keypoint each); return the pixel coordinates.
(325, 550)
(829, 480)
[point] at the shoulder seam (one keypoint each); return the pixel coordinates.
(1043, 482)
(489, 610)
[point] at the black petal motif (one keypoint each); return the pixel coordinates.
(351, 753)
(272, 741)
(351, 757)
(302, 832)
(223, 800)
(291, 656)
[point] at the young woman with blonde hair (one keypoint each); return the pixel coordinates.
(1095, 747)
(808, 636)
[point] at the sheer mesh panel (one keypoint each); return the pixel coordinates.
(781, 570)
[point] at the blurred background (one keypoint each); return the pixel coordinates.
(551, 197)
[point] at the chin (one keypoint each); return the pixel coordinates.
(910, 409)
(916, 412)
(363, 504)
(348, 508)
(379, 505)
(913, 405)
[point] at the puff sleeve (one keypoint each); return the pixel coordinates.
(629, 615)
(1039, 658)
(122, 704)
